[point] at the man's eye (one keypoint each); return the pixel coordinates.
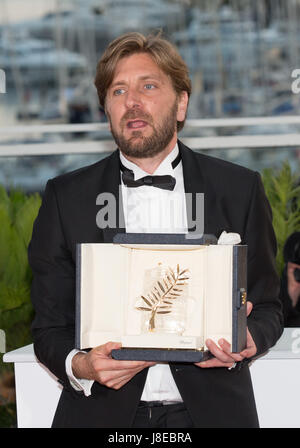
(118, 92)
(149, 86)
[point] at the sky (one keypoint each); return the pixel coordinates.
(17, 10)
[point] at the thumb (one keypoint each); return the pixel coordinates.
(106, 349)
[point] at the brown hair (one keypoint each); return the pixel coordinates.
(164, 54)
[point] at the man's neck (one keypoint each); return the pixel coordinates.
(150, 164)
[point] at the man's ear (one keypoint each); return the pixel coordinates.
(183, 100)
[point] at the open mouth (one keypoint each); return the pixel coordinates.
(136, 124)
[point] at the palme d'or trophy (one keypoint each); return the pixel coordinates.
(164, 304)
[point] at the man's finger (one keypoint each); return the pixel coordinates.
(107, 364)
(116, 382)
(227, 349)
(214, 362)
(218, 352)
(250, 349)
(249, 307)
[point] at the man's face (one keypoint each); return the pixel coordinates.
(143, 108)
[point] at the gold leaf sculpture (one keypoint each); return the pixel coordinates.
(162, 296)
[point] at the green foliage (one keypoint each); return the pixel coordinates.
(283, 191)
(17, 214)
(8, 416)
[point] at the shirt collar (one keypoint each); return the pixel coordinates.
(165, 168)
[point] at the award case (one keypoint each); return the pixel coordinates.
(161, 296)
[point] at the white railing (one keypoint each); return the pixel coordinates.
(288, 140)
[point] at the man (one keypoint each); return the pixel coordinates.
(144, 87)
(290, 281)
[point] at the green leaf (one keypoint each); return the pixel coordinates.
(283, 191)
(24, 217)
(11, 297)
(17, 214)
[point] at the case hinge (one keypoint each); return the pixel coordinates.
(243, 297)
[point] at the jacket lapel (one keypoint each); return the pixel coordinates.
(110, 185)
(197, 179)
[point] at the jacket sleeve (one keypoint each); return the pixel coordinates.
(265, 322)
(53, 287)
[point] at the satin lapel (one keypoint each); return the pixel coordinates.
(197, 180)
(110, 183)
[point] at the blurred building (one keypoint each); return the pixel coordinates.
(240, 54)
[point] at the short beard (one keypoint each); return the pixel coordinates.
(149, 146)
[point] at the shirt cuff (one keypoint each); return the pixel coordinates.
(81, 385)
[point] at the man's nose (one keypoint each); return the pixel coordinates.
(133, 98)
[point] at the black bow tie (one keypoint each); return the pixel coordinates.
(165, 182)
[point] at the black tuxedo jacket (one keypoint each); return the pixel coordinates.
(234, 201)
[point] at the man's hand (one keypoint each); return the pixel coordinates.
(98, 365)
(223, 357)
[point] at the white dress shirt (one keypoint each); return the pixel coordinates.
(150, 209)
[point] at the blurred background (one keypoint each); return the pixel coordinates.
(241, 55)
(244, 62)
